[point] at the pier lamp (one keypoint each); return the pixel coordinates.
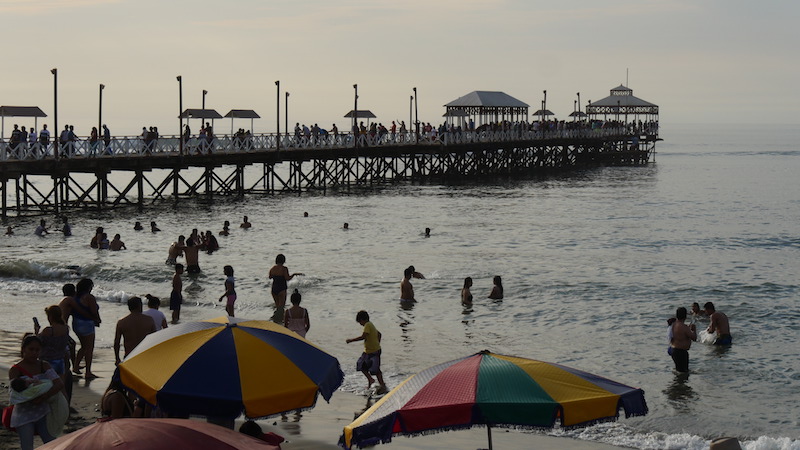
(355, 116)
(204, 98)
(278, 113)
(100, 110)
(180, 114)
(579, 102)
(416, 114)
(286, 114)
(54, 71)
(544, 105)
(410, 110)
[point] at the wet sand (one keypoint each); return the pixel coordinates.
(318, 428)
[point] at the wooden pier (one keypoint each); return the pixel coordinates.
(132, 173)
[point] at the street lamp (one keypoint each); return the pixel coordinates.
(544, 105)
(410, 110)
(286, 114)
(204, 98)
(180, 114)
(54, 71)
(278, 112)
(100, 110)
(416, 115)
(355, 116)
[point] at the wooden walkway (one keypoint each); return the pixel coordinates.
(34, 181)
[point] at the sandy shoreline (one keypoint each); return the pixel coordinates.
(318, 428)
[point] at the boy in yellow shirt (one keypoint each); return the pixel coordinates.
(370, 360)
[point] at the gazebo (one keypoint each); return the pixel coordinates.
(622, 102)
(242, 114)
(20, 111)
(202, 114)
(487, 106)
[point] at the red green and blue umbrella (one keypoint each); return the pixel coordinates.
(227, 366)
(495, 391)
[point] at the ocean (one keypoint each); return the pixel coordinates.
(593, 263)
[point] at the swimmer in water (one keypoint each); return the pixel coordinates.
(497, 289)
(466, 295)
(406, 288)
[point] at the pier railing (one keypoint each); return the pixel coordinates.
(127, 146)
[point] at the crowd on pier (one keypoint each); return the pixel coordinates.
(28, 144)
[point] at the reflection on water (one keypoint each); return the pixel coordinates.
(679, 393)
(406, 321)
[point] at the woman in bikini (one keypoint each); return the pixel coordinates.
(280, 277)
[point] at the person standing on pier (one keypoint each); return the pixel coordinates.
(107, 140)
(44, 138)
(94, 141)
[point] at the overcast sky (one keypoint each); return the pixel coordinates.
(701, 61)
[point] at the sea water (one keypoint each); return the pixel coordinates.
(593, 263)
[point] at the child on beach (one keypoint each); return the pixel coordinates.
(296, 317)
(370, 360)
(230, 292)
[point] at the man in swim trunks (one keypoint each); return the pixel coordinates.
(132, 328)
(719, 324)
(176, 297)
(192, 254)
(682, 337)
(406, 288)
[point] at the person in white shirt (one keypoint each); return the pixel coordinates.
(158, 317)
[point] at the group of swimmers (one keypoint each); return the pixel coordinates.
(681, 335)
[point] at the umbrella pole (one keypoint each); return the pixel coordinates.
(489, 433)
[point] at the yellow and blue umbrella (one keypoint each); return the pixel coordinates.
(227, 366)
(492, 390)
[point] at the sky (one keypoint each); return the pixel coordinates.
(724, 61)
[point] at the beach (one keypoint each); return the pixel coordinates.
(318, 428)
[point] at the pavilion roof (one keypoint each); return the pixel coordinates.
(622, 96)
(201, 114)
(486, 99)
(21, 111)
(243, 114)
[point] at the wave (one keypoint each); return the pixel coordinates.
(42, 271)
(615, 433)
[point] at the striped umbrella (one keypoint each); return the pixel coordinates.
(492, 390)
(227, 366)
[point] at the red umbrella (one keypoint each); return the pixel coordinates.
(155, 434)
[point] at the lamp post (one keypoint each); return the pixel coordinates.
(100, 110)
(54, 71)
(416, 115)
(544, 105)
(579, 102)
(278, 113)
(410, 111)
(286, 114)
(180, 113)
(356, 131)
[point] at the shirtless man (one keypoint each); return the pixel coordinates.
(132, 328)
(719, 324)
(682, 337)
(245, 223)
(192, 254)
(175, 251)
(406, 289)
(117, 244)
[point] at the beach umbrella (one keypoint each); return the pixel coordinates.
(155, 434)
(492, 390)
(226, 366)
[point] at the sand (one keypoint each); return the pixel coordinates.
(318, 428)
